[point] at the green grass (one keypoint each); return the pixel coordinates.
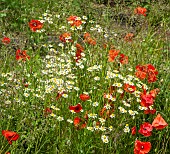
(52, 69)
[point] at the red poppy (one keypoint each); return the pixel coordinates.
(74, 21)
(129, 88)
(84, 97)
(65, 37)
(79, 123)
(86, 35)
(35, 25)
(88, 39)
(80, 49)
(146, 129)
(152, 73)
(83, 125)
(77, 108)
(113, 54)
(150, 111)
(154, 92)
(71, 18)
(123, 59)
(133, 130)
(10, 136)
(142, 68)
(6, 40)
(7, 153)
(141, 75)
(47, 111)
(159, 123)
(141, 72)
(152, 76)
(140, 10)
(22, 55)
(129, 37)
(146, 100)
(142, 147)
(76, 121)
(148, 71)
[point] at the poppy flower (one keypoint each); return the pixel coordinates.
(65, 37)
(113, 54)
(77, 108)
(6, 40)
(71, 18)
(152, 73)
(129, 37)
(159, 123)
(80, 49)
(86, 35)
(142, 147)
(123, 59)
(141, 72)
(140, 10)
(142, 68)
(146, 129)
(22, 55)
(141, 75)
(10, 136)
(74, 21)
(154, 92)
(88, 39)
(79, 123)
(35, 25)
(150, 111)
(129, 88)
(146, 100)
(133, 130)
(83, 125)
(84, 97)
(146, 71)
(151, 68)
(76, 121)
(47, 111)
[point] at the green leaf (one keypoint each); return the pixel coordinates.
(2, 15)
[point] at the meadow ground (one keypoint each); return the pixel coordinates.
(88, 76)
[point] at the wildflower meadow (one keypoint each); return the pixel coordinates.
(85, 77)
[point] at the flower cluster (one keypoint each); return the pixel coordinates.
(140, 10)
(146, 130)
(22, 55)
(113, 53)
(90, 94)
(146, 71)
